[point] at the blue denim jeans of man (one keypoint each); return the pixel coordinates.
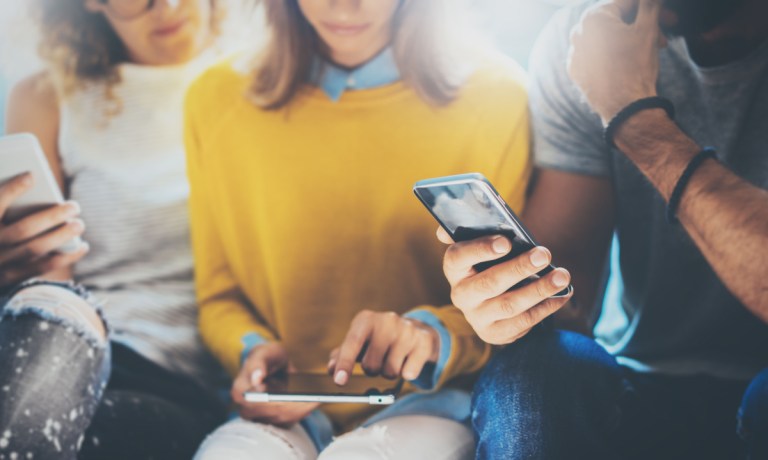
(66, 393)
(560, 395)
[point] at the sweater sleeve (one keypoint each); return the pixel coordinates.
(226, 319)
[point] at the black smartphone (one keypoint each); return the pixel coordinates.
(467, 206)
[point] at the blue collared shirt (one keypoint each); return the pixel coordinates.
(335, 81)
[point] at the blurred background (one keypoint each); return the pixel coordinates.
(512, 24)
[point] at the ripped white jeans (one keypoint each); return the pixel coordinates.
(398, 438)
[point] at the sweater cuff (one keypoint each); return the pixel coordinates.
(431, 373)
(250, 341)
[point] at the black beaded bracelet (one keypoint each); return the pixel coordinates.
(654, 102)
(677, 192)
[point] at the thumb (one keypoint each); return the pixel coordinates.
(627, 9)
(266, 360)
(648, 14)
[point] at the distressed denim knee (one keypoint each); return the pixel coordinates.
(55, 369)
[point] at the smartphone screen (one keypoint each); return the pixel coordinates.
(323, 384)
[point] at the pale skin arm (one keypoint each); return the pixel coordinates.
(27, 245)
(725, 215)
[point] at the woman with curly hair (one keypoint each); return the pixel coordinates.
(112, 367)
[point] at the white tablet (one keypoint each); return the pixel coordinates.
(20, 153)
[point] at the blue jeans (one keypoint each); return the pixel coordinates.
(560, 395)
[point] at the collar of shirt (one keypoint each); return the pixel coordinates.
(334, 81)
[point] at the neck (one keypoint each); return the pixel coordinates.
(734, 39)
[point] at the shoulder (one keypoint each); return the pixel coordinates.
(550, 51)
(221, 83)
(33, 107)
(33, 100)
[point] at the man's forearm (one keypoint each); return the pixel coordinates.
(726, 216)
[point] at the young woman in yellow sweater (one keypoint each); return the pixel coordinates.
(309, 245)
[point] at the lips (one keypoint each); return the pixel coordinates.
(345, 29)
(169, 29)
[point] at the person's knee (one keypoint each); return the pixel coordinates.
(61, 305)
(543, 367)
(753, 420)
(244, 440)
(405, 437)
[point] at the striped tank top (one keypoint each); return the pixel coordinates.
(127, 171)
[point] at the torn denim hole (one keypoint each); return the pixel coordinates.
(49, 319)
(75, 288)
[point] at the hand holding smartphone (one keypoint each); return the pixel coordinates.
(39, 231)
(467, 206)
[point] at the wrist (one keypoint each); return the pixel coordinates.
(613, 108)
(657, 146)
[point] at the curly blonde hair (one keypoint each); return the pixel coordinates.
(81, 47)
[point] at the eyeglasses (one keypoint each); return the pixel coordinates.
(129, 9)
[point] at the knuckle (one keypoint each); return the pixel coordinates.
(364, 315)
(521, 268)
(458, 297)
(543, 288)
(527, 319)
(508, 306)
(36, 249)
(487, 281)
(451, 257)
(482, 251)
(17, 232)
(355, 337)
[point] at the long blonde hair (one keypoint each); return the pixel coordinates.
(430, 58)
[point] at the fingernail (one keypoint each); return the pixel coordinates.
(409, 376)
(77, 224)
(560, 279)
(341, 378)
(539, 257)
(501, 245)
(256, 376)
(73, 208)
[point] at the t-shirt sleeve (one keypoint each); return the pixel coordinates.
(567, 134)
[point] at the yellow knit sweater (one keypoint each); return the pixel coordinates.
(303, 217)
